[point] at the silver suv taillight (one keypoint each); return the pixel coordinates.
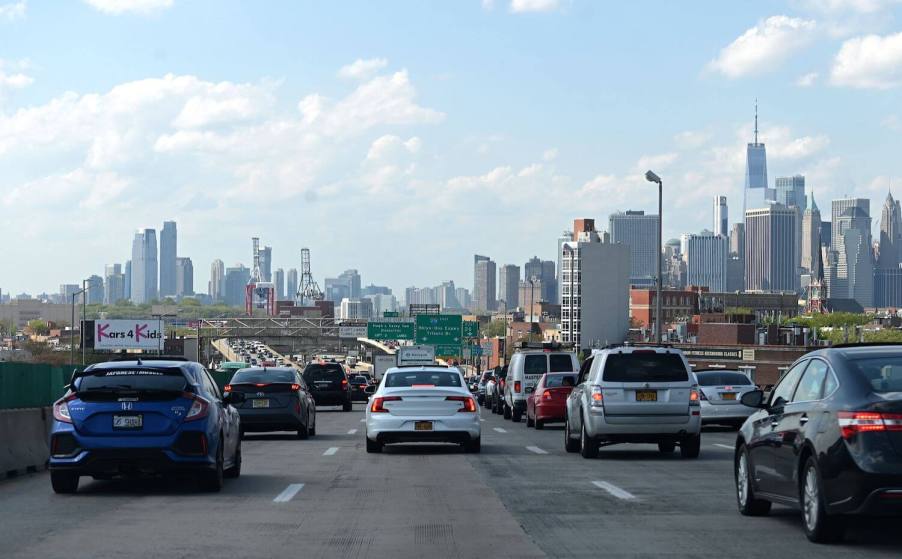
(596, 398)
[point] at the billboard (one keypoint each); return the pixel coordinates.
(128, 334)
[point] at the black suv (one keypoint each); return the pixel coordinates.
(328, 384)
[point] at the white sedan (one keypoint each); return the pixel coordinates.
(422, 404)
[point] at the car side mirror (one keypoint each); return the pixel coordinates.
(753, 399)
(234, 398)
(371, 389)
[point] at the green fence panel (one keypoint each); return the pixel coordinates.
(31, 385)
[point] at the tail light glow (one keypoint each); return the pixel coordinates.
(853, 422)
(517, 386)
(469, 404)
(199, 407)
(227, 388)
(378, 403)
(61, 409)
(295, 386)
(546, 395)
(344, 384)
(693, 397)
(597, 396)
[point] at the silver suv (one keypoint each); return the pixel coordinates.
(634, 395)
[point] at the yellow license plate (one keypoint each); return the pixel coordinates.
(422, 426)
(646, 395)
(260, 403)
(728, 395)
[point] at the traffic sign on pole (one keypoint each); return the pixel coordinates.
(439, 329)
(389, 330)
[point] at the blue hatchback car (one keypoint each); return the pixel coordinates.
(144, 417)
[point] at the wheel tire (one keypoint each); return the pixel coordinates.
(506, 410)
(748, 504)
(666, 447)
(820, 527)
(235, 470)
(473, 447)
(303, 430)
(241, 433)
(539, 424)
(348, 406)
(516, 416)
(64, 482)
(373, 447)
(212, 481)
(588, 446)
(529, 421)
(690, 447)
(312, 430)
(570, 444)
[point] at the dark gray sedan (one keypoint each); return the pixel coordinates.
(276, 399)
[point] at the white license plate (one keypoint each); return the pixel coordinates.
(260, 403)
(128, 421)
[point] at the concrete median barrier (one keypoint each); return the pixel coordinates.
(23, 440)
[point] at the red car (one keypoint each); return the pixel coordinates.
(547, 404)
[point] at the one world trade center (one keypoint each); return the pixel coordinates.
(756, 193)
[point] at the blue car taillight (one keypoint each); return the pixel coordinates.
(61, 409)
(200, 407)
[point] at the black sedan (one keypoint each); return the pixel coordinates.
(276, 399)
(828, 440)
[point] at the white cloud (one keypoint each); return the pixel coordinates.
(807, 80)
(488, 5)
(869, 62)
(847, 6)
(549, 154)
(660, 161)
(764, 47)
(390, 146)
(12, 12)
(13, 76)
(362, 69)
(523, 6)
(118, 7)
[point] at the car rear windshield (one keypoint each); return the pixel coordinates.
(314, 373)
(422, 378)
(132, 380)
(719, 378)
(556, 381)
(261, 377)
(560, 363)
(883, 373)
(535, 364)
(645, 367)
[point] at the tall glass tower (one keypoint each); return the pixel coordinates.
(756, 194)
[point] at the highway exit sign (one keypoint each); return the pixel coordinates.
(439, 329)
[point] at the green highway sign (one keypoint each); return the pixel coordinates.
(448, 350)
(391, 314)
(471, 329)
(439, 329)
(389, 330)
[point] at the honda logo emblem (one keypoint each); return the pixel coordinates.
(260, 394)
(126, 405)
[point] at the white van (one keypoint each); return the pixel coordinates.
(527, 365)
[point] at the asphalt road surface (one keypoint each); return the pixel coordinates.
(522, 497)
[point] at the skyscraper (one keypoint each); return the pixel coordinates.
(291, 286)
(127, 281)
(851, 274)
(266, 263)
(769, 259)
(168, 255)
(811, 236)
(706, 260)
(484, 284)
(790, 191)
(184, 276)
(94, 285)
(144, 267)
(549, 282)
(216, 287)
(640, 233)
(508, 282)
(721, 216)
(278, 278)
(236, 280)
(565, 237)
(890, 235)
(756, 193)
(838, 208)
(114, 284)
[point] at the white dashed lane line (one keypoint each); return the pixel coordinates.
(499, 429)
(289, 493)
(536, 449)
(614, 490)
(330, 451)
(726, 446)
(352, 431)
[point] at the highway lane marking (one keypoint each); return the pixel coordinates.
(330, 451)
(482, 420)
(536, 449)
(726, 446)
(289, 493)
(352, 431)
(499, 429)
(363, 420)
(614, 490)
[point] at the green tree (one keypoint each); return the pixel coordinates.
(39, 327)
(495, 328)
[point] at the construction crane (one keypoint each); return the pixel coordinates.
(258, 293)
(308, 290)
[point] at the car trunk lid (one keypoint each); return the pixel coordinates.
(423, 402)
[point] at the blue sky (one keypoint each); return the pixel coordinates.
(402, 137)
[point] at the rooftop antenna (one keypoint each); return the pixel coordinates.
(756, 121)
(256, 276)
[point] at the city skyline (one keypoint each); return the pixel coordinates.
(452, 139)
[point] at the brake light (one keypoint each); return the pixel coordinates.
(693, 397)
(227, 388)
(259, 384)
(517, 386)
(469, 404)
(344, 384)
(853, 422)
(295, 386)
(597, 397)
(199, 408)
(61, 409)
(546, 395)
(378, 403)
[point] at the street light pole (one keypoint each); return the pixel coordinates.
(651, 177)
